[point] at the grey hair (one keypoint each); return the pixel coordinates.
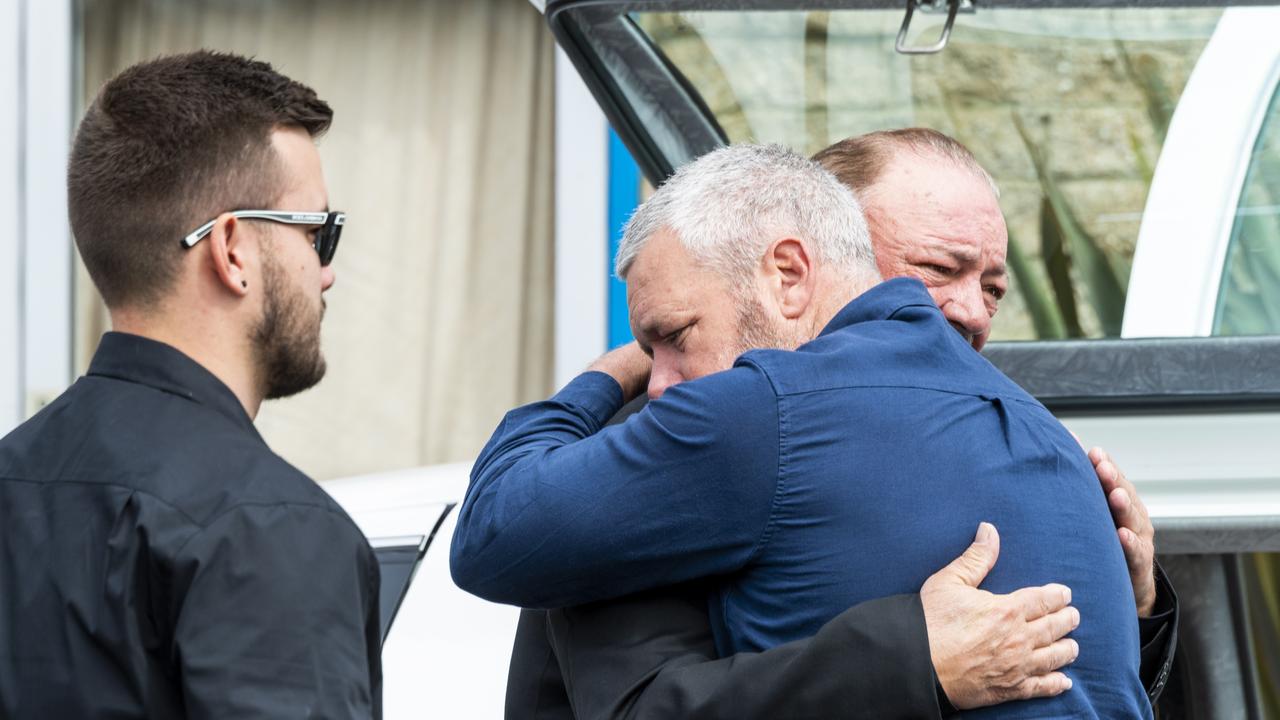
(727, 206)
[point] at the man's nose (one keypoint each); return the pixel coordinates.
(327, 277)
(967, 313)
(662, 376)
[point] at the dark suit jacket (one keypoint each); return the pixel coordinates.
(652, 656)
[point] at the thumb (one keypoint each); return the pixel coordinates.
(972, 567)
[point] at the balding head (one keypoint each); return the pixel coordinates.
(934, 214)
(860, 161)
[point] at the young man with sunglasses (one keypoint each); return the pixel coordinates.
(159, 560)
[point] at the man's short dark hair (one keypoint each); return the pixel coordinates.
(167, 145)
(859, 161)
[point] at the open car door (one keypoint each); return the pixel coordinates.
(1137, 148)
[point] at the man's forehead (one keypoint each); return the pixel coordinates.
(666, 285)
(651, 301)
(654, 319)
(303, 176)
(933, 205)
(968, 248)
(962, 248)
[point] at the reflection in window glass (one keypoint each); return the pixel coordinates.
(1068, 109)
(1261, 573)
(1249, 303)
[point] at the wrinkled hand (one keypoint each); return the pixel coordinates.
(629, 365)
(988, 648)
(1133, 525)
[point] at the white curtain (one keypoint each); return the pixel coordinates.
(440, 152)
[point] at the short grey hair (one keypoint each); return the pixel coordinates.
(727, 206)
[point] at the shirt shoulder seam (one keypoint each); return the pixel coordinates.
(121, 486)
(185, 515)
(238, 507)
(767, 532)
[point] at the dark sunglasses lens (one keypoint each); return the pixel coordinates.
(327, 241)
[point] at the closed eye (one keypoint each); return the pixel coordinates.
(676, 339)
(939, 269)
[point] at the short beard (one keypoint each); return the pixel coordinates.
(286, 341)
(755, 331)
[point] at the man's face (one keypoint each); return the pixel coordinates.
(940, 223)
(688, 318)
(287, 338)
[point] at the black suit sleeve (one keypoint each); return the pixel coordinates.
(1159, 637)
(651, 656)
(535, 690)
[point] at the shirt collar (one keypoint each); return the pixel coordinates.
(137, 359)
(881, 303)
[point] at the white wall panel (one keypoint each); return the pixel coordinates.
(11, 107)
(582, 250)
(47, 82)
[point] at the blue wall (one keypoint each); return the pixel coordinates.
(624, 196)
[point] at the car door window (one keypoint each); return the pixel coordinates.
(1068, 108)
(1249, 300)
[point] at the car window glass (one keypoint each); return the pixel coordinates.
(1249, 303)
(1068, 109)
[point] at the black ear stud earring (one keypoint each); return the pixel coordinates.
(244, 283)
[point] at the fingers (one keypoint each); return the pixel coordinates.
(974, 564)
(1122, 497)
(1139, 557)
(1134, 552)
(1108, 474)
(1051, 628)
(1036, 602)
(1123, 511)
(1041, 686)
(1047, 659)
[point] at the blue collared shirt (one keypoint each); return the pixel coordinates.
(807, 481)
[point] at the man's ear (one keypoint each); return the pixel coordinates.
(789, 274)
(229, 251)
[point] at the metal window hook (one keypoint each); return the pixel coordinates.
(953, 6)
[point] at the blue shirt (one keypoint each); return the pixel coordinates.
(808, 481)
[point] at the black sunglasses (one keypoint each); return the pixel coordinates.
(326, 243)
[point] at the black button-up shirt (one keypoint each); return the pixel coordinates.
(157, 560)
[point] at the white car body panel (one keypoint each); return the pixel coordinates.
(447, 652)
(1194, 465)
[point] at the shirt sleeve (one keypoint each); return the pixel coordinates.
(561, 512)
(279, 617)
